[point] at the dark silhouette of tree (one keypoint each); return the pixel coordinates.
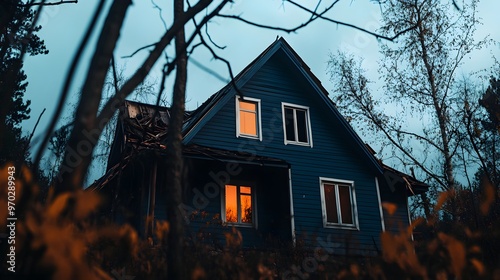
(17, 38)
(57, 146)
(481, 120)
(491, 103)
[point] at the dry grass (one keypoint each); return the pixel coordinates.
(60, 240)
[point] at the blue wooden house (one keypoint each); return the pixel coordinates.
(269, 155)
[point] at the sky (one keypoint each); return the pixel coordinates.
(64, 25)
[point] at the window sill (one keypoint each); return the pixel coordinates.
(239, 225)
(298, 144)
(249, 136)
(340, 226)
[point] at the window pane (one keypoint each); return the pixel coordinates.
(345, 204)
(231, 204)
(246, 208)
(248, 106)
(330, 203)
(248, 123)
(289, 125)
(301, 125)
(245, 190)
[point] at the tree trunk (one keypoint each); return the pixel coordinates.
(439, 109)
(174, 154)
(426, 204)
(86, 130)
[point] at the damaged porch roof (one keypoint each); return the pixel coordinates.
(143, 127)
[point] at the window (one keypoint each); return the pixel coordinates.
(248, 118)
(296, 125)
(238, 206)
(338, 202)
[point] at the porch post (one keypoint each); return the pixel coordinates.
(292, 216)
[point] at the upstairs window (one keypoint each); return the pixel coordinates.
(296, 124)
(248, 118)
(238, 207)
(338, 203)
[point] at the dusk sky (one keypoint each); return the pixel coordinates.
(64, 25)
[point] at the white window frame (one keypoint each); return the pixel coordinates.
(259, 122)
(253, 199)
(308, 124)
(382, 220)
(336, 182)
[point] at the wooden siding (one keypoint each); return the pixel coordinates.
(334, 155)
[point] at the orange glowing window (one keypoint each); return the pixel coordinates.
(248, 118)
(238, 204)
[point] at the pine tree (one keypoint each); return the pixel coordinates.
(17, 38)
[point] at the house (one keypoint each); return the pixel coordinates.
(268, 154)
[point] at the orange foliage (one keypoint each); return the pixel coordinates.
(443, 197)
(399, 249)
(389, 207)
(53, 238)
(489, 193)
(233, 238)
(161, 230)
(478, 265)
(59, 240)
(456, 251)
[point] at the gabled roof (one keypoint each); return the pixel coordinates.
(209, 108)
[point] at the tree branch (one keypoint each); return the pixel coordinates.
(139, 49)
(33, 132)
(90, 98)
(47, 4)
(68, 81)
(420, 137)
(376, 35)
(287, 30)
(142, 72)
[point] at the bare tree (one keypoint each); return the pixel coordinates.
(144, 92)
(418, 73)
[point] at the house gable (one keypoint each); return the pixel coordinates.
(293, 64)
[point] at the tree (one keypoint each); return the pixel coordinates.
(144, 92)
(17, 38)
(416, 114)
(481, 129)
(490, 101)
(57, 147)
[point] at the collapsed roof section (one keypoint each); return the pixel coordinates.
(143, 127)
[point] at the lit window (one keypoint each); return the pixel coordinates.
(296, 125)
(238, 206)
(248, 118)
(338, 203)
